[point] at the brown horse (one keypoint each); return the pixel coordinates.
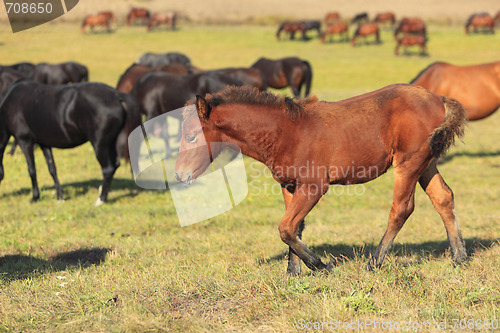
(340, 28)
(412, 25)
(364, 30)
(109, 15)
(281, 73)
(142, 14)
(477, 87)
(409, 40)
(309, 145)
(132, 74)
(385, 17)
(291, 28)
(480, 20)
(168, 18)
(93, 20)
(331, 17)
(497, 17)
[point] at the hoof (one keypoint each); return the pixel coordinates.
(98, 202)
(61, 201)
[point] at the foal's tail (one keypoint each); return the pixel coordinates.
(307, 76)
(453, 126)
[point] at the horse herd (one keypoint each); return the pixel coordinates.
(106, 19)
(409, 31)
(39, 107)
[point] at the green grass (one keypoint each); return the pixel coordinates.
(129, 266)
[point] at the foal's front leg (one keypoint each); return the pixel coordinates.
(293, 259)
(304, 199)
(27, 148)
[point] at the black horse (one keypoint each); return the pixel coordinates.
(65, 117)
(63, 73)
(8, 77)
(154, 60)
(360, 18)
(313, 25)
(285, 72)
(158, 92)
(27, 68)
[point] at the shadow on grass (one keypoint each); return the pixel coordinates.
(342, 252)
(18, 267)
(451, 156)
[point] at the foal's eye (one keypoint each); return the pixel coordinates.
(191, 139)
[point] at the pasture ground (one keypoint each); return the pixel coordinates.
(129, 266)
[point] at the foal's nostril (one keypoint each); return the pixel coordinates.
(178, 176)
(188, 177)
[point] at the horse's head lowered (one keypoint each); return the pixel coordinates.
(201, 142)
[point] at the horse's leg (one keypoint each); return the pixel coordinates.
(304, 199)
(49, 158)
(4, 139)
(441, 196)
(293, 259)
(27, 148)
(403, 204)
(107, 157)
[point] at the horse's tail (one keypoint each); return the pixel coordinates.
(307, 76)
(132, 121)
(453, 126)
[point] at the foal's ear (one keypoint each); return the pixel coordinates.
(202, 107)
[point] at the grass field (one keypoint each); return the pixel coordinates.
(128, 266)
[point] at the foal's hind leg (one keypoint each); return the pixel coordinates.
(49, 158)
(27, 148)
(442, 200)
(402, 206)
(107, 157)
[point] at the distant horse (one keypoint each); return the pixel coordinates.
(155, 60)
(412, 25)
(132, 74)
(8, 77)
(94, 20)
(109, 15)
(281, 73)
(480, 20)
(158, 93)
(142, 14)
(291, 28)
(157, 19)
(497, 17)
(313, 25)
(64, 117)
(477, 87)
(385, 17)
(309, 145)
(27, 68)
(248, 77)
(364, 30)
(340, 28)
(409, 40)
(360, 18)
(63, 73)
(331, 17)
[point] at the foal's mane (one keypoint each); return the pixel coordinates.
(293, 108)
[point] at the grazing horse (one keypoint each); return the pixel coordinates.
(360, 18)
(364, 30)
(480, 20)
(248, 77)
(340, 28)
(331, 17)
(63, 73)
(93, 20)
(168, 18)
(313, 25)
(27, 68)
(138, 13)
(412, 25)
(132, 74)
(154, 60)
(281, 73)
(64, 117)
(158, 93)
(385, 17)
(409, 40)
(477, 87)
(291, 28)
(309, 145)
(109, 15)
